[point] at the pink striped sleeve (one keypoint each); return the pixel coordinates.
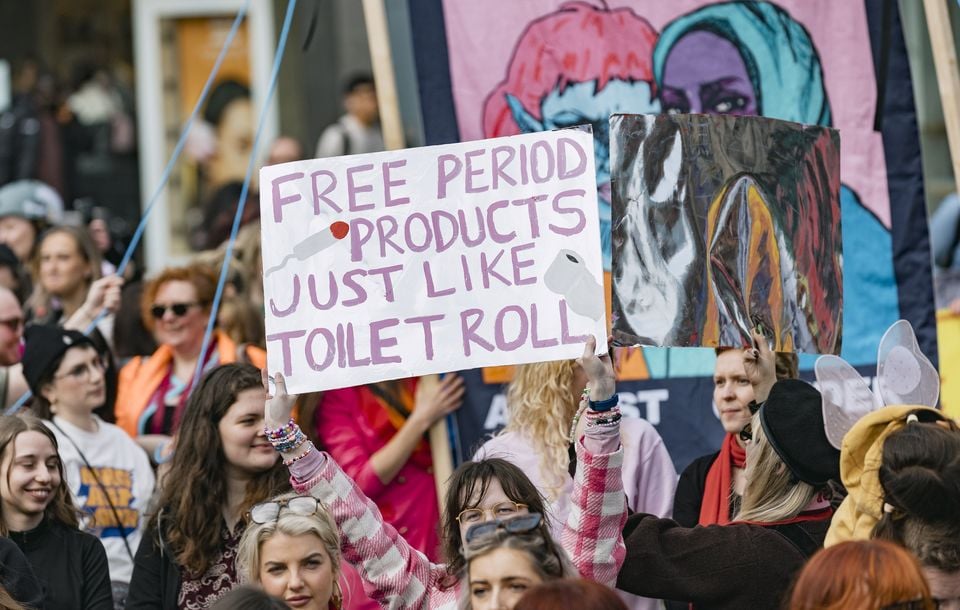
(593, 533)
(395, 575)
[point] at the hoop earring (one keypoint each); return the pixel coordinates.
(336, 600)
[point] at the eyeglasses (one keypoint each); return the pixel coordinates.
(746, 434)
(516, 525)
(179, 309)
(267, 512)
(14, 324)
(503, 510)
(82, 372)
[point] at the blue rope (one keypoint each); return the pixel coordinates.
(228, 255)
(165, 177)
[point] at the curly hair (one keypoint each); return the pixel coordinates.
(540, 406)
(61, 508)
(190, 513)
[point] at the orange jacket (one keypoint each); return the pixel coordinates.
(140, 378)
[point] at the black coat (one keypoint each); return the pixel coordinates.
(155, 583)
(716, 567)
(71, 566)
(17, 576)
(689, 494)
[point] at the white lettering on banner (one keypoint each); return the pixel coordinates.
(631, 404)
(433, 259)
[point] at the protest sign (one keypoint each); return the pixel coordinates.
(723, 225)
(403, 263)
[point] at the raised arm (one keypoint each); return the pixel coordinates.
(395, 574)
(593, 534)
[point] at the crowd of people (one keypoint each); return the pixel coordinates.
(124, 486)
(148, 470)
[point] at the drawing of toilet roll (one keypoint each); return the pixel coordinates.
(568, 277)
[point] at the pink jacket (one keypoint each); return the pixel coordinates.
(398, 576)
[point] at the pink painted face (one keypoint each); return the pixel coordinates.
(732, 391)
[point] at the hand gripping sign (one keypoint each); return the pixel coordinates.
(433, 259)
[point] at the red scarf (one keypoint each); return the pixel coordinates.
(715, 506)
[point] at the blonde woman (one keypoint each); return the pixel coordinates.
(783, 517)
(543, 417)
(292, 550)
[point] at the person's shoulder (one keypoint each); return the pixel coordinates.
(638, 427)
(505, 444)
(701, 464)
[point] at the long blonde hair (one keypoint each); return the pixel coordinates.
(540, 406)
(772, 492)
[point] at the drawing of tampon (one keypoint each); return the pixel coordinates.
(315, 243)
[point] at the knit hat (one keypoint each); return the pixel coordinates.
(31, 200)
(792, 419)
(45, 344)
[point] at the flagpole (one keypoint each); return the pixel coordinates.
(948, 75)
(378, 37)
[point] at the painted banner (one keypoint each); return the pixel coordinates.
(501, 67)
(723, 225)
(403, 263)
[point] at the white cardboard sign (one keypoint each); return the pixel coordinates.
(435, 259)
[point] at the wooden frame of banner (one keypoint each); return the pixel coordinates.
(948, 75)
(378, 36)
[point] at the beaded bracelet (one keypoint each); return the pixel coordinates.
(287, 437)
(609, 421)
(309, 448)
(276, 434)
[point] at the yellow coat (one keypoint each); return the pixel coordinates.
(860, 459)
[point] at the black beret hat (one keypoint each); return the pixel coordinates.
(792, 419)
(44, 345)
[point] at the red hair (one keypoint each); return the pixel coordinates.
(577, 43)
(570, 593)
(863, 574)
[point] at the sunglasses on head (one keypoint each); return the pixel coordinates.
(179, 309)
(516, 525)
(746, 433)
(268, 512)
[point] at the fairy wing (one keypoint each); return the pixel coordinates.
(846, 397)
(904, 374)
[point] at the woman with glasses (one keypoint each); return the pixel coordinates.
(222, 467)
(544, 415)
(783, 517)
(397, 575)
(108, 474)
(863, 574)
(292, 550)
(153, 390)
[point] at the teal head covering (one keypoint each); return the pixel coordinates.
(778, 52)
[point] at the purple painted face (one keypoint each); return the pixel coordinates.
(705, 74)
